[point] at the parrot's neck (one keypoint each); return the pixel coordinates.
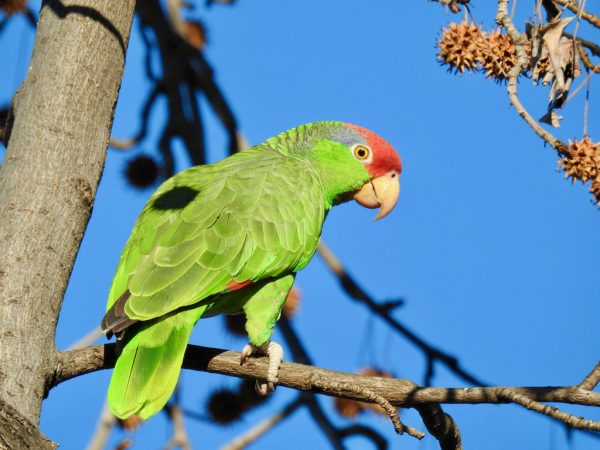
(339, 177)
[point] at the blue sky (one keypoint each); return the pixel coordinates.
(493, 250)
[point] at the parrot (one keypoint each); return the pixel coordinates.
(229, 238)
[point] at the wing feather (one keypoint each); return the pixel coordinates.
(253, 216)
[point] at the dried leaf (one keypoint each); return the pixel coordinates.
(551, 36)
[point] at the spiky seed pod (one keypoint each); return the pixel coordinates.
(290, 307)
(460, 46)
(11, 7)
(224, 407)
(351, 408)
(142, 171)
(195, 33)
(583, 163)
(236, 324)
(132, 423)
(595, 190)
(499, 56)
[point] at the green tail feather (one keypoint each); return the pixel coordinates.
(146, 373)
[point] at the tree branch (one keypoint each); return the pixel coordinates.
(592, 379)
(591, 18)
(383, 311)
(399, 392)
(16, 432)
(242, 441)
(519, 40)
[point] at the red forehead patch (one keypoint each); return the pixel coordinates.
(385, 158)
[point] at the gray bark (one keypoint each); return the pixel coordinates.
(62, 119)
(17, 433)
(398, 391)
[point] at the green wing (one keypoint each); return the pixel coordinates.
(249, 217)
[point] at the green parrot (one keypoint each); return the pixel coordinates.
(228, 238)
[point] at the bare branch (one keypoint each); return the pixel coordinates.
(587, 63)
(554, 412)
(88, 339)
(441, 426)
(591, 46)
(383, 311)
(399, 427)
(180, 438)
(122, 144)
(592, 379)
(520, 41)
(241, 442)
(105, 424)
(572, 5)
(399, 392)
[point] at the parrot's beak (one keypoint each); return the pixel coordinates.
(381, 192)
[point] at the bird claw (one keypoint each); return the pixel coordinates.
(275, 354)
(247, 352)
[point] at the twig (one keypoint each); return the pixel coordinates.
(174, 8)
(568, 419)
(122, 144)
(382, 311)
(591, 46)
(591, 380)
(587, 62)
(88, 339)
(106, 422)
(126, 144)
(179, 438)
(578, 88)
(519, 41)
(372, 397)
(591, 18)
(263, 427)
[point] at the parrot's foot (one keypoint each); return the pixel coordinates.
(275, 354)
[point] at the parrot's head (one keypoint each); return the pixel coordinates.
(354, 163)
(383, 164)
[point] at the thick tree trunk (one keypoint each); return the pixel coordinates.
(62, 119)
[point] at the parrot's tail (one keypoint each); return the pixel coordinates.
(146, 373)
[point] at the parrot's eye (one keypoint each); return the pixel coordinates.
(361, 152)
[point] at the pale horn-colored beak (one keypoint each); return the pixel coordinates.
(381, 192)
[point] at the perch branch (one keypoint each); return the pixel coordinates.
(398, 392)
